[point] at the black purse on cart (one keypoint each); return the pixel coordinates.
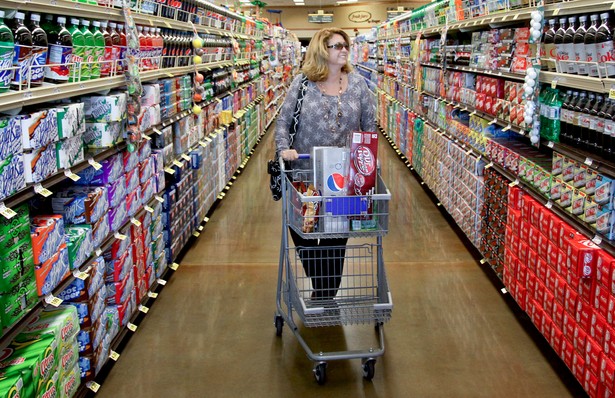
(273, 166)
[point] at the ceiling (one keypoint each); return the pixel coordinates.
(321, 3)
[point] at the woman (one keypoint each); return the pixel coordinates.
(336, 103)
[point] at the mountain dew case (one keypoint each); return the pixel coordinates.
(99, 50)
(78, 51)
(7, 48)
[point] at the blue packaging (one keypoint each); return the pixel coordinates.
(10, 132)
(52, 272)
(12, 178)
(39, 128)
(158, 158)
(117, 269)
(148, 189)
(100, 230)
(145, 150)
(160, 182)
(116, 191)
(119, 292)
(146, 170)
(89, 311)
(40, 164)
(46, 234)
(82, 290)
(133, 202)
(112, 168)
(89, 339)
(81, 205)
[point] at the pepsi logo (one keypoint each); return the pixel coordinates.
(335, 182)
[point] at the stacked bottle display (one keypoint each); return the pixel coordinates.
(580, 45)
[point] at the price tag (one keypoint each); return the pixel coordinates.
(549, 204)
(489, 165)
(597, 240)
(514, 183)
(554, 84)
(206, 219)
(148, 209)
(152, 295)
(201, 143)
(438, 204)
(483, 261)
(80, 275)
(556, 11)
(589, 161)
(473, 113)
(185, 157)
(422, 182)
(119, 236)
(222, 194)
(93, 386)
(157, 131)
(135, 222)
(170, 74)
(177, 163)
(612, 90)
(114, 355)
(147, 137)
(550, 144)
(469, 151)
(71, 175)
(143, 309)
(493, 121)
(174, 266)
(131, 326)
(503, 290)
(196, 234)
(54, 301)
(38, 188)
(168, 25)
(98, 252)
(161, 282)
(169, 170)
(208, 139)
(200, 228)
(159, 199)
(95, 164)
(7, 212)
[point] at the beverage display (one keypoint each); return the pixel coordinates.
(575, 126)
(561, 49)
(60, 53)
(23, 49)
(549, 46)
(78, 51)
(107, 61)
(608, 138)
(579, 46)
(123, 46)
(591, 51)
(99, 50)
(568, 46)
(115, 43)
(7, 48)
(604, 46)
(39, 50)
(88, 64)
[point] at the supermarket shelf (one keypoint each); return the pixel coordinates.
(579, 225)
(431, 65)
(508, 75)
(72, 8)
(595, 162)
(366, 68)
(575, 81)
(53, 92)
(576, 7)
(12, 332)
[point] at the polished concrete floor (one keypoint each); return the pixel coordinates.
(210, 332)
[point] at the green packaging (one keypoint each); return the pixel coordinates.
(15, 265)
(62, 323)
(19, 300)
(80, 246)
(15, 231)
(12, 386)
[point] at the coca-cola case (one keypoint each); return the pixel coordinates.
(363, 172)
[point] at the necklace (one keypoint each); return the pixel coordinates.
(338, 114)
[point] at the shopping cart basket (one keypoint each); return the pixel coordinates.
(363, 295)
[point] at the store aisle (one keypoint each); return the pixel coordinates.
(211, 334)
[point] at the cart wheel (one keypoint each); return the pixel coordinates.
(369, 368)
(320, 373)
(279, 325)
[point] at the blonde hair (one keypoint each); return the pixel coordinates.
(316, 64)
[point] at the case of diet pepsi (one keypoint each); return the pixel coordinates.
(331, 166)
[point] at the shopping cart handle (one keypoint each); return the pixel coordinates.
(304, 156)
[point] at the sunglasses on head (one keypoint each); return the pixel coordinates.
(339, 46)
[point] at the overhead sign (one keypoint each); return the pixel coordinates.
(359, 16)
(320, 17)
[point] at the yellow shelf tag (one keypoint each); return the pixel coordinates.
(147, 137)
(148, 209)
(152, 295)
(120, 236)
(161, 282)
(93, 386)
(114, 355)
(95, 164)
(54, 301)
(135, 222)
(71, 175)
(177, 163)
(38, 188)
(143, 309)
(185, 157)
(159, 199)
(174, 266)
(169, 170)
(131, 326)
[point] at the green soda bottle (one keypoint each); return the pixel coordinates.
(7, 48)
(78, 51)
(99, 50)
(88, 38)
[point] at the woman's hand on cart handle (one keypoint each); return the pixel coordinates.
(289, 154)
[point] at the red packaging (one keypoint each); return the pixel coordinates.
(607, 372)
(608, 346)
(567, 352)
(547, 326)
(542, 247)
(571, 300)
(533, 237)
(579, 340)
(583, 315)
(586, 290)
(600, 300)
(552, 254)
(480, 102)
(590, 382)
(558, 315)
(610, 313)
(592, 355)
(550, 279)
(566, 233)
(488, 106)
(548, 302)
(523, 253)
(363, 162)
(597, 328)
(556, 339)
(604, 265)
(560, 289)
(582, 255)
(578, 366)
(524, 231)
(555, 224)
(560, 265)
(532, 259)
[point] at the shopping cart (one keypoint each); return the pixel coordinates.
(363, 295)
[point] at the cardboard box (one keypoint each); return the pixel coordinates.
(53, 271)
(12, 175)
(10, 131)
(69, 152)
(106, 108)
(84, 289)
(39, 129)
(104, 135)
(40, 163)
(331, 167)
(71, 120)
(582, 255)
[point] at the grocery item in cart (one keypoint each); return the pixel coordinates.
(331, 166)
(310, 211)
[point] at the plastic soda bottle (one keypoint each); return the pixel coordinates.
(88, 38)
(78, 51)
(7, 49)
(39, 51)
(99, 50)
(23, 48)
(60, 53)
